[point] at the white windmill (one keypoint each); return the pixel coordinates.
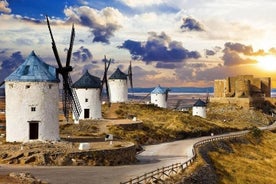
(118, 87)
(32, 97)
(159, 96)
(88, 89)
(199, 108)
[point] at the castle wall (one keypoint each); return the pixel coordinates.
(266, 86)
(219, 88)
(242, 86)
(244, 102)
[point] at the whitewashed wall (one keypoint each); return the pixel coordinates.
(118, 91)
(159, 100)
(93, 102)
(199, 111)
(20, 98)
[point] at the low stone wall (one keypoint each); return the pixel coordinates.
(119, 156)
(244, 102)
(66, 154)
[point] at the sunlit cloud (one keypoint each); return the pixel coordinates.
(4, 7)
(103, 24)
(135, 3)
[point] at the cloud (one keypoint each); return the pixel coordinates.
(190, 24)
(83, 2)
(135, 4)
(24, 41)
(82, 55)
(4, 6)
(209, 52)
(238, 47)
(9, 63)
(237, 54)
(159, 48)
(103, 24)
(272, 50)
(165, 65)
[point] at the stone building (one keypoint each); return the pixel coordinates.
(32, 96)
(242, 86)
(243, 90)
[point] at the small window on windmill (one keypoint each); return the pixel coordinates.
(33, 109)
(27, 86)
(109, 137)
(26, 70)
(10, 85)
(86, 100)
(50, 86)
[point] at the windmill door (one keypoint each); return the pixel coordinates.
(86, 113)
(34, 127)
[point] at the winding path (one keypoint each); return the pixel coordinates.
(154, 156)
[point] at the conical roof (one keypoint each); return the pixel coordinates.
(199, 103)
(159, 90)
(87, 81)
(34, 70)
(118, 74)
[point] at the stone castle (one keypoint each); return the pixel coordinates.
(244, 90)
(242, 86)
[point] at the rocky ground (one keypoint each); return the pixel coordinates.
(51, 153)
(20, 178)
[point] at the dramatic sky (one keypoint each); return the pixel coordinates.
(170, 42)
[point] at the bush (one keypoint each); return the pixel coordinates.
(256, 132)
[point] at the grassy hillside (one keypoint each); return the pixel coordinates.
(252, 162)
(161, 125)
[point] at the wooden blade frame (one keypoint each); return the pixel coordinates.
(69, 98)
(130, 76)
(104, 80)
(69, 53)
(2, 83)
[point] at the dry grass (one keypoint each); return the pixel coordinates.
(161, 125)
(249, 163)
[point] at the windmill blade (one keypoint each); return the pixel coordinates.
(104, 80)
(167, 93)
(74, 99)
(70, 99)
(178, 104)
(106, 85)
(130, 77)
(54, 47)
(69, 53)
(66, 100)
(2, 83)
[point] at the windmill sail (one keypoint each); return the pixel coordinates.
(2, 83)
(69, 97)
(130, 76)
(104, 80)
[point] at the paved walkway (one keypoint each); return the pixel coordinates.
(154, 156)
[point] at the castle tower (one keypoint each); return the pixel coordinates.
(199, 109)
(32, 96)
(88, 89)
(159, 97)
(117, 84)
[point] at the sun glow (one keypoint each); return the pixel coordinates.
(267, 62)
